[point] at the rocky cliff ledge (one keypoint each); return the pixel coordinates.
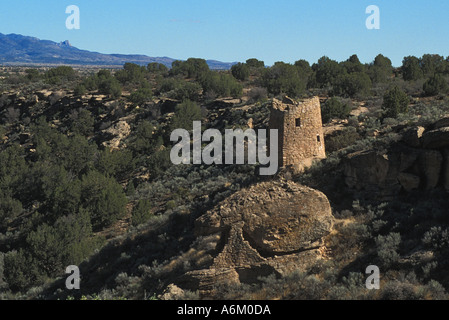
(419, 161)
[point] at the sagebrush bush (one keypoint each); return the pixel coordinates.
(436, 238)
(387, 248)
(341, 139)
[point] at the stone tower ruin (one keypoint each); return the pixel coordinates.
(300, 131)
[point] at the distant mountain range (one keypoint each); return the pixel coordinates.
(17, 49)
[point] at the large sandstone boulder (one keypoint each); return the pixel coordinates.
(275, 217)
(271, 227)
(296, 220)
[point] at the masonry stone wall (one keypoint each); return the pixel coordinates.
(300, 131)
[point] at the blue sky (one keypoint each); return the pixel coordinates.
(235, 30)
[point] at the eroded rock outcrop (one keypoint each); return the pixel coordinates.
(172, 292)
(364, 168)
(419, 161)
(412, 137)
(118, 132)
(271, 227)
(435, 139)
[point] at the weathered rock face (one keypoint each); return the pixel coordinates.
(412, 136)
(43, 94)
(409, 181)
(366, 167)
(118, 131)
(431, 163)
(419, 161)
(273, 226)
(386, 173)
(55, 96)
(223, 103)
(293, 221)
(444, 122)
(172, 292)
(436, 139)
